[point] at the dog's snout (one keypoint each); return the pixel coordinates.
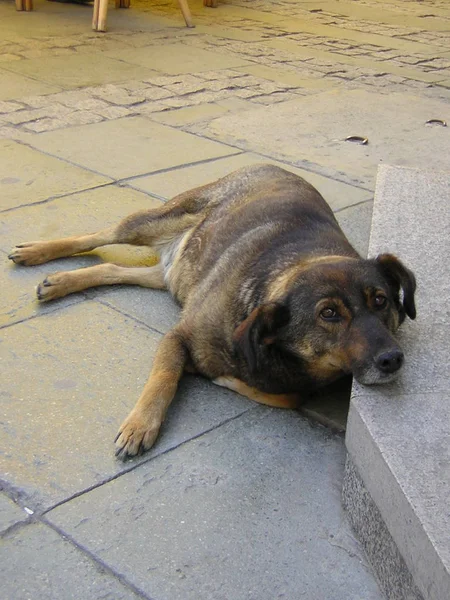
(390, 361)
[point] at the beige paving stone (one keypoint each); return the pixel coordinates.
(191, 114)
(10, 513)
(128, 147)
(28, 176)
(75, 214)
(338, 195)
(313, 130)
(14, 85)
(79, 70)
(178, 58)
(85, 379)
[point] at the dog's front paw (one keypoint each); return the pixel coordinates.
(136, 435)
(29, 253)
(55, 286)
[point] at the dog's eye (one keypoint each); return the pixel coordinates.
(380, 301)
(329, 314)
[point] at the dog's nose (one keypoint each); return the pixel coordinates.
(389, 362)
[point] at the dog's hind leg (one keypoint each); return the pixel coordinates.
(144, 228)
(274, 400)
(63, 283)
(139, 430)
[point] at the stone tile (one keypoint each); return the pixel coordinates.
(78, 70)
(10, 513)
(268, 477)
(28, 176)
(128, 147)
(178, 58)
(15, 86)
(167, 185)
(50, 567)
(73, 376)
(313, 129)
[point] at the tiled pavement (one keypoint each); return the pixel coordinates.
(235, 500)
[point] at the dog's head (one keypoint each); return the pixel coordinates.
(336, 316)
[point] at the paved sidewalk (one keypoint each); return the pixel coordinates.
(235, 500)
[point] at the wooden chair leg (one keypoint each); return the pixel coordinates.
(99, 15)
(28, 5)
(186, 12)
(211, 3)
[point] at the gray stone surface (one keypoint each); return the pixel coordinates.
(10, 513)
(313, 129)
(128, 147)
(39, 563)
(90, 364)
(392, 572)
(268, 479)
(398, 436)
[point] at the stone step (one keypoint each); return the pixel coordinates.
(397, 483)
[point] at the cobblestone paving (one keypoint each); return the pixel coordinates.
(312, 56)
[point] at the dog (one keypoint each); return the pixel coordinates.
(276, 302)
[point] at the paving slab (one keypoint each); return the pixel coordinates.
(28, 176)
(397, 436)
(79, 70)
(259, 479)
(18, 86)
(338, 195)
(178, 58)
(10, 513)
(73, 376)
(38, 563)
(75, 214)
(128, 147)
(312, 130)
(355, 222)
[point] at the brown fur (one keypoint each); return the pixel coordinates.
(275, 300)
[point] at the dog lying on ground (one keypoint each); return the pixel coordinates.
(276, 302)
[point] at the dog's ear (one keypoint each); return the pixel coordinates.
(399, 276)
(259, 330)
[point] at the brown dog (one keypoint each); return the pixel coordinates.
(275, 299)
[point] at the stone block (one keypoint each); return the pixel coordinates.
(397, 435)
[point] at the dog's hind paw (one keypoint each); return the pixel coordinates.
(29, 253)
(135, 436)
